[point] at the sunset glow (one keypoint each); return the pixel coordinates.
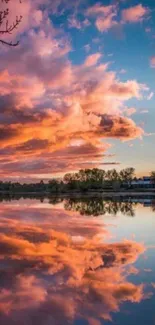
(78, 90)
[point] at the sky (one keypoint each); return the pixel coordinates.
(78, 91)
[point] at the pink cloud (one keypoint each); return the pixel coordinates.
(92, 59)
(127, 89)
(47, 103)
(74, 255)
(105, 16)
(130, 111)
(134, 14)
(152, 62)
(105, 23)
(73, 22)
(99, 9)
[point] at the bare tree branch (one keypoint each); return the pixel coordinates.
(5, 27)
(9, 43)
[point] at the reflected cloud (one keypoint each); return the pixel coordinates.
(56, 267)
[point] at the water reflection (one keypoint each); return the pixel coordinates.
(57, 264)
(90, 206)
(98, 206)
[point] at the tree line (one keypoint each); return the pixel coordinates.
(85, 180)
(95, 179)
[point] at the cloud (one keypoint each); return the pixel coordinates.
(29, 289)
(71, 158)
(127, 89)
(150, 96)
(87, 47)
(105, 23)
(123, 71)
(92, 59)
(105, 16)
(129, 111)
(73, 22)
(99, 9)
(119, 127)
(134, 14)
(47, 103)
(152, 62)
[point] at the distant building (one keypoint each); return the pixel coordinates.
(145, 182)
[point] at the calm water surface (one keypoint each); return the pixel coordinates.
(77, 262)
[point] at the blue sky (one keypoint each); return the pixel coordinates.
(128, 48)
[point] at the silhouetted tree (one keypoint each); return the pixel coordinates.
(113, 179)
(127, 175)
(85, 179)
(6, 27)
(153, 177)
(53, 185)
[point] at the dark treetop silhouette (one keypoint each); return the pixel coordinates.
(6, 27)
(85, 180)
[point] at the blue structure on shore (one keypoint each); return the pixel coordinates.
(145, 182)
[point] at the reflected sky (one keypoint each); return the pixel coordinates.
(77, 262)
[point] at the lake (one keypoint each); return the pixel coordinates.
(77, 261)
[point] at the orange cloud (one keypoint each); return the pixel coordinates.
(47, 103)
(134, 14)
(45, 262)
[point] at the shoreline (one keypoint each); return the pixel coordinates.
(81, 194)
